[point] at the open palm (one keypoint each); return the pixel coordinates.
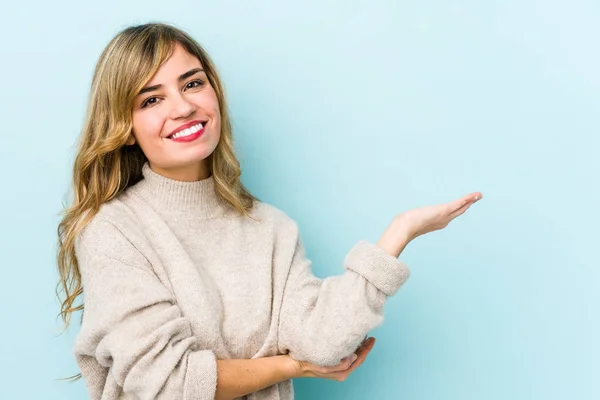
(431, 218)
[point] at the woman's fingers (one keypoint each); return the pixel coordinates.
(344, 365)
(349, 364)
(341, 371)
(366, 347)
(460, 205)
(363, 353)
(462, 209)
(362, 356)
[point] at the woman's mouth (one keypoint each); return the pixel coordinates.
(189, 134)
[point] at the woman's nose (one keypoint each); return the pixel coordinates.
(181, 107)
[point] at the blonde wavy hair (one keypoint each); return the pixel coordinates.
(104, 166)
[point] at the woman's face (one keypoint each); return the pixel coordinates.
(178, 96)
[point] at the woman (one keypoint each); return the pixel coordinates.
(192, 287)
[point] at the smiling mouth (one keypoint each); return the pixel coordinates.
(188, 131)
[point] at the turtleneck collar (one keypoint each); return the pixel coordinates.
(168, 196)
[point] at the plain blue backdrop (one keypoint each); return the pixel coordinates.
(346, 113)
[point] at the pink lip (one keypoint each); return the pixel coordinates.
(191, 137)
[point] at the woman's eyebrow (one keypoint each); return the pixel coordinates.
(182, 77)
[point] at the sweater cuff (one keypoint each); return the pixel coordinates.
(377, 266)
(201, 376)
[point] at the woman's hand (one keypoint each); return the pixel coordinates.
(410, 224)
(420, 221)
(338, 372)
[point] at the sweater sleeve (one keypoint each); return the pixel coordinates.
(132, 326)
(324, 320)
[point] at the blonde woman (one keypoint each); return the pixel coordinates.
(191, 287)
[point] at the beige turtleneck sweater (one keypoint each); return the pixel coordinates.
(174, 279)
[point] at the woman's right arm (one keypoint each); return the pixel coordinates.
(237, 378)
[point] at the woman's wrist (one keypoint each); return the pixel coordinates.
(395, 238)
(293, 367)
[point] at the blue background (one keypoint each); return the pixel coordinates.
(345, 114)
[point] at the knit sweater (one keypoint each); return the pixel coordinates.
(174, 279)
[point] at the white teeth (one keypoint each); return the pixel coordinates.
(188, 131)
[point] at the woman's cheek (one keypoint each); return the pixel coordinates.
(154, 128)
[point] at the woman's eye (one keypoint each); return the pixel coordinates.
(153, 100)
(195, 84)
(148, 102)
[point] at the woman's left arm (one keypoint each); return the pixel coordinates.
(324, 320)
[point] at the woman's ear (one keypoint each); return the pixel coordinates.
(130, 140)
